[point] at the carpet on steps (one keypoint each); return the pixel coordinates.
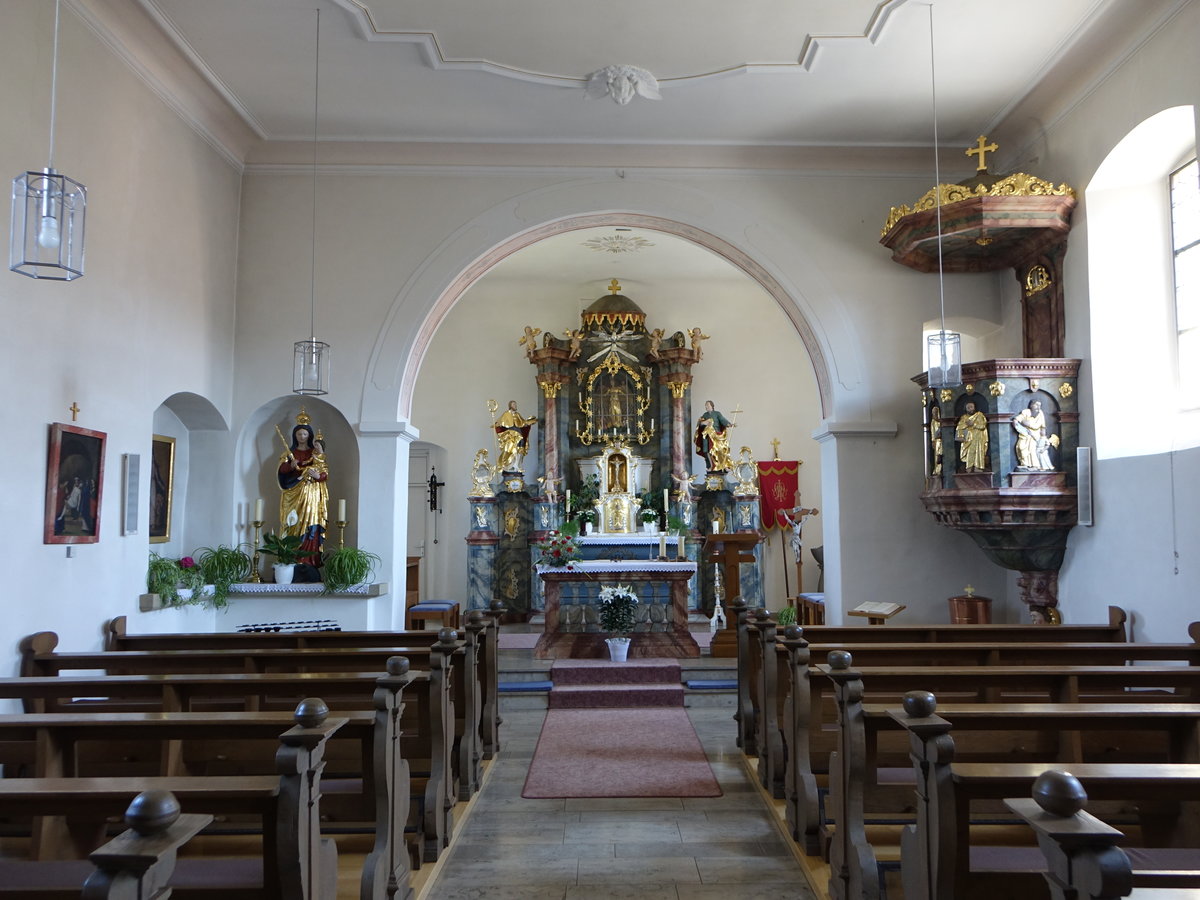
(603, 671)
(615, 696)
(619, 753)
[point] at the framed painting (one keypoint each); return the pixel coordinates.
(162, 487)
(74, 485)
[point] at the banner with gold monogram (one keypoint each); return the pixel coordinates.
(778, 481)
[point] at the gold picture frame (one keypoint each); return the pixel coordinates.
(162, 487)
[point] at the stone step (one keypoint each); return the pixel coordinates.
(603, 671)
(578, 696)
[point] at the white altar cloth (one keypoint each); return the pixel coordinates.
(616, 567)
(642, 538)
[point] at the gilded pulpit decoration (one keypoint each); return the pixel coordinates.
(1037, 279)
(1065, 390)
(996, 389)
(946, 395)
(972, 435)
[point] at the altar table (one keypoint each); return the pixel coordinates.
(676, 641)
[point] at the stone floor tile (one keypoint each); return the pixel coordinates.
(622, 892)
(631, 870)
(446, 889)
(783, 890)
(742, 871)
(624, 804)
(503, 869)
(621, 831)
(700, 850)
(532, 854)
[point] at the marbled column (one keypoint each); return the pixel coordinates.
(550, 431)
(679, 445)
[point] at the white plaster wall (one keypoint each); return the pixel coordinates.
(1142, 515)
(153, 316)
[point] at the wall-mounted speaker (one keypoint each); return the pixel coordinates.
(1083, 464)
(131, 464)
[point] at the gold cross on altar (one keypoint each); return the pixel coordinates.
(983, 149)
(74, 408)
(775, 447)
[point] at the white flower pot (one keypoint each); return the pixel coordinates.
(618, 648)
(650, 527)
(284, 572)
(587, 527)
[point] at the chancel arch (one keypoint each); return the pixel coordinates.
(753, 357)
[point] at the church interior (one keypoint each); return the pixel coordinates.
(880, 311)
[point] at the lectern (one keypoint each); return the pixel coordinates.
(729, 551)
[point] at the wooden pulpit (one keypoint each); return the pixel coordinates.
(729, 551)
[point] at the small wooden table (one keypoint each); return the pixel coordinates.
(729, 551)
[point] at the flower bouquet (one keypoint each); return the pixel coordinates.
(616, 609)
(558, 549)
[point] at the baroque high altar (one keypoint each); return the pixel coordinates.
(612, 439)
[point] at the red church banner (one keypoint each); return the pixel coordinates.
(778, 481)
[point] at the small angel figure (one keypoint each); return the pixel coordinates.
(683, 487)
(575, 336)
(530, 340)
(549, 487)
(697, 336)
(656, 339)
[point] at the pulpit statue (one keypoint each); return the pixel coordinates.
(972, 435)
(1033, 445)
(512, 437)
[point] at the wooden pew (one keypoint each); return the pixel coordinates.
(138, 862)
(295, 862)
(455, 659)
(758, 690)
(809, 724)
(936, 851)
(482, 628)
(1048, 732)
(1083, 860)
(762, 694)
(410, 714)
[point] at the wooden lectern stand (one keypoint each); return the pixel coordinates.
(729, 551)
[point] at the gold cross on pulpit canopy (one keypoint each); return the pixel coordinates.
(982, 148)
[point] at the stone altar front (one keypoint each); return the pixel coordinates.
(662, 628)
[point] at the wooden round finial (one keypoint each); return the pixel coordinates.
(1059, 793)
(151, 812)
(311, 712)
(499, 606)
(397, 665)
(793, 632)
(840, 659)
(475, 617)
(447, 636)
(919, 704)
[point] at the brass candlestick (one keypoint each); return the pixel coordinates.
(341, 524)
(254, 576)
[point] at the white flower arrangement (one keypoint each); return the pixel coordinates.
(616, 608)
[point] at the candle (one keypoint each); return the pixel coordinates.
(258, 510)
(342, 510)
(715, 525)
(568, 500)
(665, 500)
(680, 546)
(662, 545)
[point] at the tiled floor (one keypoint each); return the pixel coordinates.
(658, 849)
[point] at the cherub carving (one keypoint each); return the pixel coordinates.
(530, 340)
(697, 336)
(575, 337)
(683, 487)
(656, 339)
(622, 83)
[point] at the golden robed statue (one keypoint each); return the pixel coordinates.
(304, 499)
(512, 438)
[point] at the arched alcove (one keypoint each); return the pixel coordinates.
(198, 513)
(258, 453)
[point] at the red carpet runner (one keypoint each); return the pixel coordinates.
(618, 730)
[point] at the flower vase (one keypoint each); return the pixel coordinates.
(284, 572)
(618, 648)
(587, 527)
(650, 527)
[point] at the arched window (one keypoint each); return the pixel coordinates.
(1185, 242)
(1136, 349)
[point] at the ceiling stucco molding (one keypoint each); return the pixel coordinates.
(433, 46)
(136, 38)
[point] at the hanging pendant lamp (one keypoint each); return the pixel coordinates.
(310, 358)
(48, 210)
(943, 359)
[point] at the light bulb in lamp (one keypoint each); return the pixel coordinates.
(49, 236)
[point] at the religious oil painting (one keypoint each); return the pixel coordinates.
(74, 484)
(162, 487)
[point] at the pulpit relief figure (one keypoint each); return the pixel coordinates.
(972, 435)
(935, 440)
(1033, 444)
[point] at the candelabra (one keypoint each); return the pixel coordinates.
(341, 524)
(254, 576)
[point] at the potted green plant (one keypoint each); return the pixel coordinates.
(346, 567)
(221, 567)
(649, 512)
(588, 518)
(786, 616)
(162, 578)
(286, 550)
(617, 618)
